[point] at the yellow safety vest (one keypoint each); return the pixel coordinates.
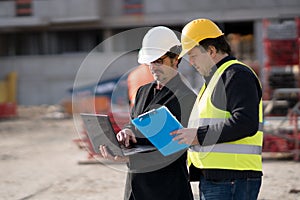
(243, 154)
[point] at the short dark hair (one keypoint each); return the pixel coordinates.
(219, 43)
(174, 51)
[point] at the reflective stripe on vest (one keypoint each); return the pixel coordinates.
(243, 154)
(229, 148)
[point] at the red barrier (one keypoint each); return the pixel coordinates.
(8, 110)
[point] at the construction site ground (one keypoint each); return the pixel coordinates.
(39, 160)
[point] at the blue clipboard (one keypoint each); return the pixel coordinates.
(156, 125)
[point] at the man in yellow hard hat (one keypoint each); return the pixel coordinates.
(224, 132)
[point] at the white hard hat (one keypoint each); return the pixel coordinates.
(156, 43)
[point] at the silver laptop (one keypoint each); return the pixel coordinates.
(100, 132)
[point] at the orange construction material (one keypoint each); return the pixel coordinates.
(92, 104)
(12, 87)
(8, 99)
(136, 78)
(3, 92)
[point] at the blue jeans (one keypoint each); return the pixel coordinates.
(236, 189)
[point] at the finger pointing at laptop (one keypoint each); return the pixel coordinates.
(125, 136)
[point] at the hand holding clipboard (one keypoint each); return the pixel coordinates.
(156, 125)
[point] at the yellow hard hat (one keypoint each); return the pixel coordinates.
(196, 31)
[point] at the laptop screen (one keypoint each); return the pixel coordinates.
(101, 132)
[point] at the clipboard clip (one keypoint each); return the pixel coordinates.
(142, 116)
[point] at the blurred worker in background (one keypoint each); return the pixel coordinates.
(152, 175)
(224, 130)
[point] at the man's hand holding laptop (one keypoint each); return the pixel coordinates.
(124, 137)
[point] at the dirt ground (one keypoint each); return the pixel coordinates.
(39, 160)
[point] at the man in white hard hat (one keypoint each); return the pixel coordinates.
(152, 175)
(224, 131)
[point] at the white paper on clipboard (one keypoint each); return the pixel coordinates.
(156, 125)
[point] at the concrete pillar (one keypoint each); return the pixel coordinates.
(108, 43)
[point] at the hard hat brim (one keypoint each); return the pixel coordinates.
(187, 46)
(148, 55)
(183, 52)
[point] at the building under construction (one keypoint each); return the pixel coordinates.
(46, 41)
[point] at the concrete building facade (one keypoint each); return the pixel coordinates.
(46, 41)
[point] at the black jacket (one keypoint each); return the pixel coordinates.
(152, 175)
(242, 92)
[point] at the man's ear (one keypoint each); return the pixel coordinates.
(212, 51)
(174, 61)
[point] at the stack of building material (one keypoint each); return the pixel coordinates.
(8, 100)
(281, 42)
